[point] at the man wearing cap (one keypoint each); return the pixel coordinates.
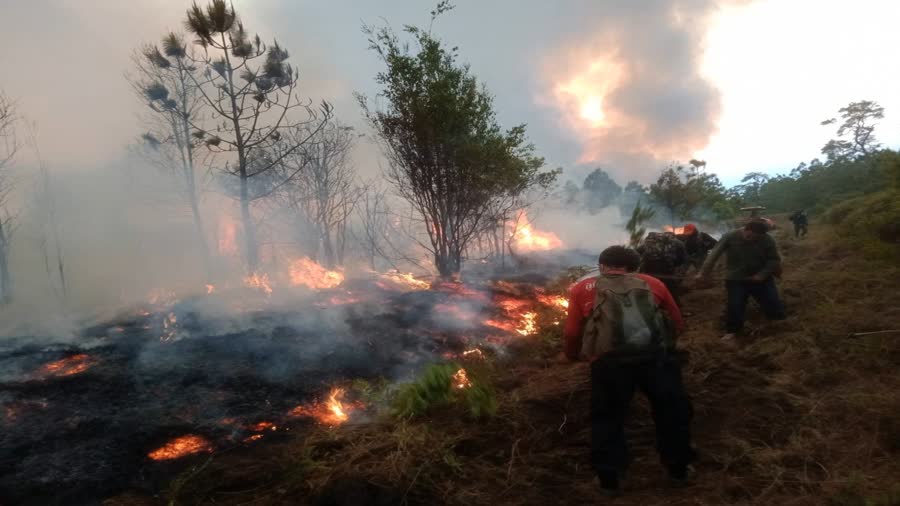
(697, 244)
(751, 263)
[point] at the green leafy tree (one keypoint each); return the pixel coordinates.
(250, 91)
(856, 133)
(751, 185)
(447, 155)
(635, 226)
(600, 190)
(672, 192)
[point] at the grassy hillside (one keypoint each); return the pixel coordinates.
(796, 412)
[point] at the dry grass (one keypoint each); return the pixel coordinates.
(794, 413)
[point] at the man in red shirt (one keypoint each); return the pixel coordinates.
(628, 332)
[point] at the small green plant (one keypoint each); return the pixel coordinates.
(441, 385)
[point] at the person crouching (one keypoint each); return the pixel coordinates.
(626, 325)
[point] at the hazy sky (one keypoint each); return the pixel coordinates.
(626, 84)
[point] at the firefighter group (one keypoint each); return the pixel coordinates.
(626, 318)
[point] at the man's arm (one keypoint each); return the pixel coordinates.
(665, 301)
(773, 259)
(720, 248)
(574, 326)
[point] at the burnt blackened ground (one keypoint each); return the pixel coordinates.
(77, 438)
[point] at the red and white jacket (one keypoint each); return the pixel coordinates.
(581, 303)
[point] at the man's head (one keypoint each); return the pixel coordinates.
(619, 258)
(755, 230)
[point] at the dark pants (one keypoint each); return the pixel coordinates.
(766, 295)
(612, 386)
(800, 229)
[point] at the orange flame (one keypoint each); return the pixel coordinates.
(210, 289)
(263, 426)
(331, 412)
(259, 282)
(557, 301)
(475, 353)
(461, 380)
(68, 366)
(674, 230)
(181, 447)
(526, 325)
(306, 272)
(402, 281)
(527, 238)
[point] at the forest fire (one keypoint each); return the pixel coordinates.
(674, 230)
(557, 301)
(461, 380)
(259, 281)
(306, 272)
(403, 281)
(526, 238)
(331, 412)
(68, 366)
(181, 447)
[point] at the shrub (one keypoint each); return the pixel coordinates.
(436, 388)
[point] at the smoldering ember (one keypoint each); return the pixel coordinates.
(359, 253)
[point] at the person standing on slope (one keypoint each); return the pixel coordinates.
(697, 244)
(801, 223)
(664, 256)
(626, 325)
(751, 263)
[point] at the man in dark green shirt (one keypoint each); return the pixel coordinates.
(751, 261)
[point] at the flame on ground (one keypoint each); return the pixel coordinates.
(306, 272)
(403, 281)
(461, 380)
(210, 289)
(474, 354)
(259, 281)
(557, 301)
(263, 426)
(68, 366)
(674, 230)
(331, 412)
(181, 447)
(527, 238)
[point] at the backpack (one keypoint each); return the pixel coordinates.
(662, 252)
(625, 319)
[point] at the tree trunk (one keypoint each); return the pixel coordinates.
(5, 281)
(327, 247)
(249, 230)
(201, 237)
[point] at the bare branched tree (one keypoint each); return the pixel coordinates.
(374, 224)
(322, 191)
(251, 93)
(165, 80)
(45, 209)
(9, 145)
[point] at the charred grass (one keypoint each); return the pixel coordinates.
(796, 412)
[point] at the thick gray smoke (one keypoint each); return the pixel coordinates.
(628, 76)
